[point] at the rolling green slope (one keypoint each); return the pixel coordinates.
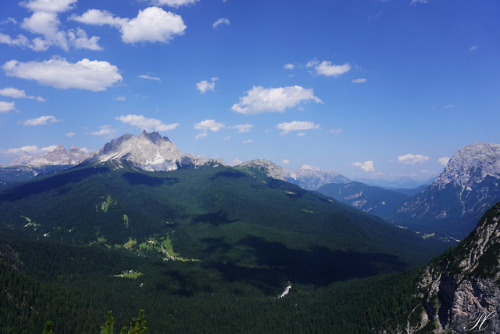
(217, 215)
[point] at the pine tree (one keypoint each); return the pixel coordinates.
(48, 328)
(108, 326)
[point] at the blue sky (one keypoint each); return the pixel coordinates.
(370, 88)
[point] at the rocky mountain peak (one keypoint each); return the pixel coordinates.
(148, 151)
(272, 170)
(154, 137)
(471, 165)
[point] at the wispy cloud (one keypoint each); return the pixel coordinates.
(414, 2)
(328, 69)
(474, 48)
(289, 66)
(287, 127)
(242, 128)
(105, 131)
(42, 120)
(173, 3)
(260, 99)
(58, 73)
(19, 94)
(148, 124)
(148, 77)
(220, 21)
(359, 80)
(412, 159)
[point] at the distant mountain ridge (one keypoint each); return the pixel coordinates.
(467, 187)
(374, 200)
(58, 156)
(27, 166)
(311, 178)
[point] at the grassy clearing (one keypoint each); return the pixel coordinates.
(129, 244)
(109, 202)
(163, 246)
(129, 274)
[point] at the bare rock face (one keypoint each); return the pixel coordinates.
(271, 169)
(149, 152)
(461, 289)
(467, 187)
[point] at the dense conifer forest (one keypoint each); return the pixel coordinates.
(76, 286)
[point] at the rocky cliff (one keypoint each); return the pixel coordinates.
(461, 289)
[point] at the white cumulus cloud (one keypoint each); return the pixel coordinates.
(260, 99)
(287, 127)
(148, 124)
(444, 160)
(7, 106)
(366, 166)
(328, 69)
(86, 74)
(152, 24)
(42, 120)
(289, 66)
(220, 21)
(205, 86)
(51, 6)
(412, 159)
(45, 21)
(208, 125)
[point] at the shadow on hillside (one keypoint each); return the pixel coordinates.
(319, 266)
(213, 218)
(50, 183)
(233, 174)
(136, 179)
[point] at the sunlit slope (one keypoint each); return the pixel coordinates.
(217, 214)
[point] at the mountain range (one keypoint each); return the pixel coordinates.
(143, 188)
(451, 205)
(186, 236)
